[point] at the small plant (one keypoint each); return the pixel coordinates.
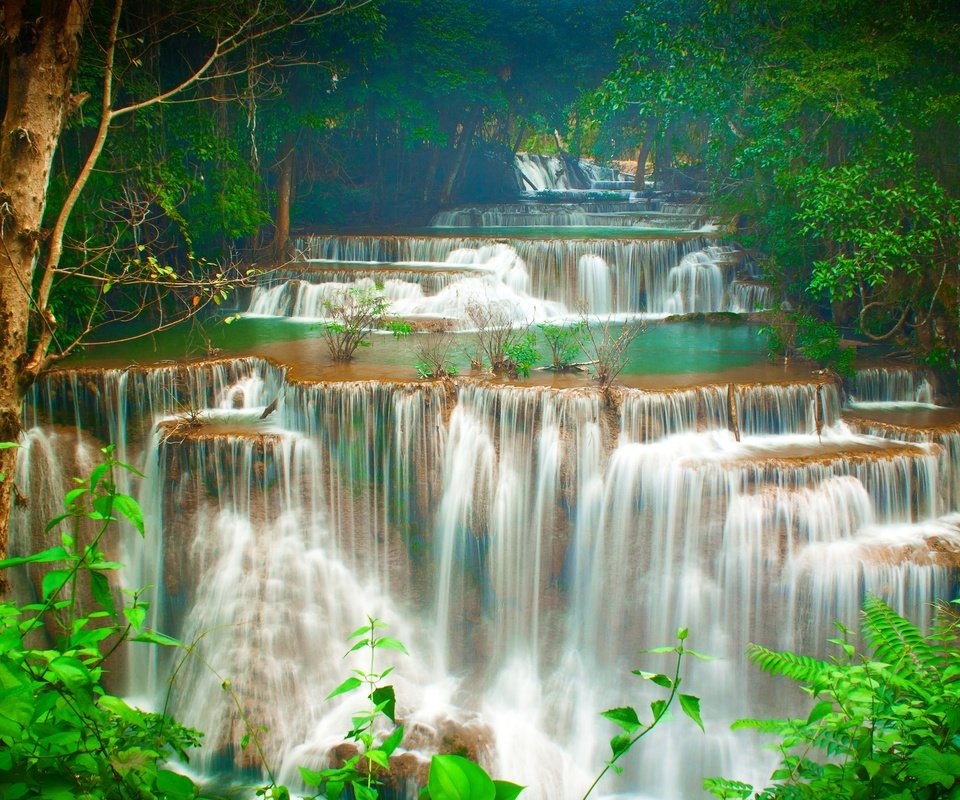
(359, 772)
(354, 314)
(508, 349)
(802, 334)
(433, 357)
(608, 349)
(887, 722)
(520, 355)
(62, 733)
(632, 729)
(565, 343)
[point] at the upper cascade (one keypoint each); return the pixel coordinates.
(532, 278)
(540, 173)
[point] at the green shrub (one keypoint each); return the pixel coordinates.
(62, 735)
(885, 724)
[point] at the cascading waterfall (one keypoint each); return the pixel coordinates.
(555, 173)
(525, 542)
(543, 536)
(882, 385)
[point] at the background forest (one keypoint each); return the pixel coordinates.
(828, 131)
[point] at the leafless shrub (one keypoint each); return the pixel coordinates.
(608, 349)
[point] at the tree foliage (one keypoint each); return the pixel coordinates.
(829, 130)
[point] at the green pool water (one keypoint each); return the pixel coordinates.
(662, 348)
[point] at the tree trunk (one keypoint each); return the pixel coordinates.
(649, 135)
(41, 53)
(464, 144)
(431, 178)
(281, 235)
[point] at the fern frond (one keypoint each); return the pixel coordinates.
(800, 668)
(897, 641)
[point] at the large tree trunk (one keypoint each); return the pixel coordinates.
(41, 48)
(464, 145)
(649, 136)
(281, 235)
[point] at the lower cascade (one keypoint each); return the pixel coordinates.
(525, 543)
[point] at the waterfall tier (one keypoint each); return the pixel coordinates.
(524, 542)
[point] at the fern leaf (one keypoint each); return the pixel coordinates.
(800, 668)
(898, 642)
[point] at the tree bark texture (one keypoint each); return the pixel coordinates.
(284, 194)
(41, 49)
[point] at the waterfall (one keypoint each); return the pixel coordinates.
(639, 269)
(525, 542)
(885, 385)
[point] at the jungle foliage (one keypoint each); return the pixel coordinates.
(885, 724)
(829, 130)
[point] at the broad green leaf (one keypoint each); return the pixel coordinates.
(311, 777)
(385, 700)
(97, 475)
(457, 778)
(74, 674)
(625, 717)
(347, 686)
(117, 706)
(130, 508)
(100, 589)
(363, 792)
(659, 708)
(7, 445)
(507, 790)
(930, 766)
(691, 707)
(54, 581)
(388, 643)
(135, 616)
(175, 786)
(819, 711)
(393, 740)
(619, 744)
(655, 677)
(377, 756)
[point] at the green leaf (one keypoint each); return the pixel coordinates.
(72, 672)
(655, 677)
(100, 589)
(625, 717)
(54, 581)
(691, 707)
(130, 508)
(819, 711)
(135, 616)
(457, 778)
(388, 643)
(659, 708)
(393, 740)
(930, 766)
(155, 637)
(385, 700)
(619, 744)
(507, 790)
(175, 786)
(43, 557)
(377, 756)
(97, 475)
(347, 686)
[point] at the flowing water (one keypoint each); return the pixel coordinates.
(525, 541)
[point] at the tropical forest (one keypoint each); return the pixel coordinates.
(447, 400)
